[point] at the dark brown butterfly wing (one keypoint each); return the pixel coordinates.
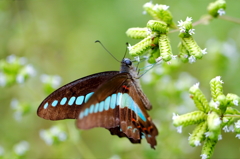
(66, 102)
(117, 106)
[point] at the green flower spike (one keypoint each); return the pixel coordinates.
(154, 54)
(142, 46)
(189, 44)
(214, 125)
(137, 33)
(183, 53)
(217, 8)
(208, 148)
(194, 117)
(198, 98)
(159, 12)
(216, 87)
(198, 135)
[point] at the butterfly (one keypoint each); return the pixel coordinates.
(112, 100)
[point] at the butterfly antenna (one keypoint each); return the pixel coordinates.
(97, 41)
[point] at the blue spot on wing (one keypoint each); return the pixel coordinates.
(63, 101)
(88, 96)
(79, 100)
(71, 101)
(113, 101)
(107, 103)
(45, 106)
(54, 103)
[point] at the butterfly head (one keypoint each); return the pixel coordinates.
(126, 65)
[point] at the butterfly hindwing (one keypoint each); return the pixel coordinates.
(67, 101)
(118, 106)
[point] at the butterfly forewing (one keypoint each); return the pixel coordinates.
(117, 106)
(67, 101)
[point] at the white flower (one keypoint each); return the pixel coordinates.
(197, 143)
(192, 59)
(180, 23)
(216, 104)
(204, 51)
(179, 129)
(175, 116)
(204, 156)
(235, 102)
(196, 85)
(237, 124)
(225, 129)
(30, 70)
(189, 19)
(2, 79)
(217, 122)
(1, 151)
(137, 58)
(191, 31)
(11, 58)
(182, 29)
(21, 148)
(221, 12)
(218, 78)
(207, 134)
(220, 137)
(148, 4)
(165, 7)
(238, 136)
(129, 47)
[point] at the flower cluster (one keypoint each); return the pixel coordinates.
(189, 50)
(211, 117)
(20, 109)
(155, 40)
(54, 135)
(217, 8)
(50, 82)
(15, 70)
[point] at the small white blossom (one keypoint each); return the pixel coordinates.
(137, 58)
(192, 59)
(2, 79)
(204, 156)
(218, 78)
(231, 128)
(220, 137)
(196, 85)
(197, 143)
(190, 135)
(182, 29)
(221, 12)
(207, 134)
(175, 116)
(174, 57)
(191, 31)
(156, 6)
(180, 23)
(21, 148)
(159, 59)
(204, 51)
(225, 129)
(235, 102)
(237, 124)
(1, 151)
(129, 47)
(217, 121)
(225, 120)
(50, 135)
(20, 78)
(216, 104)
(148, 4)
(189, 19)
(165, 7)
(11, 58)
(238, 136)
(179, 129)
(30, 70)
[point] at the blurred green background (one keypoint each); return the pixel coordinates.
(57, 38)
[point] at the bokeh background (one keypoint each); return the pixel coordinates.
(57, 37)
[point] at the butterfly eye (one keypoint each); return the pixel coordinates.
(127, 61)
